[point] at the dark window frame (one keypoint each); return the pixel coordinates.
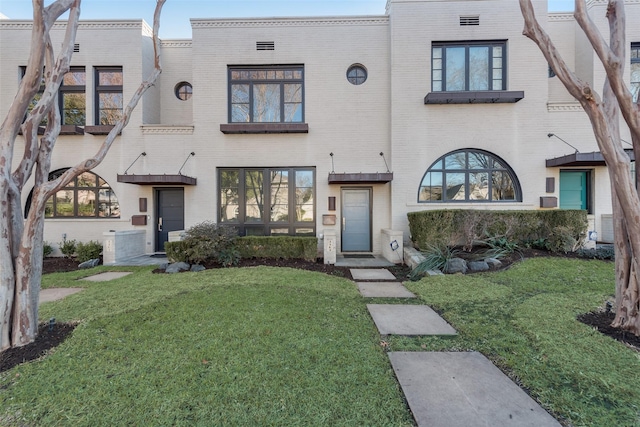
(102, 89)
(635, 59)
(469, 44)
(69, 89)
(183, 91)
(73, 186)
(265, 227)
(253, 81)
(466, 171)
(357, 74)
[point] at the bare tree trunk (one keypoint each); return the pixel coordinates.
(21, 241)
(604, 117)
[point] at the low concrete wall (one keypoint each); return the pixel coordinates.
(412, 257)
(121, 245)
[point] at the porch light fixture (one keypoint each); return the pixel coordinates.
(553, 134)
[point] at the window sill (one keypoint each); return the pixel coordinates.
(98, 130)
(479, 97)
(238, 128)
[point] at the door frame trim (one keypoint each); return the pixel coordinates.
(156, 212)
(370, 189)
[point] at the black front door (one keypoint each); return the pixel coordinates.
(169, 214)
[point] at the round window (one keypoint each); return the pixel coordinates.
(183, 91)
(357, 74)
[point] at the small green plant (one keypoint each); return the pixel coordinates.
(47, 249)
(603, 253)
(68, 247)
(564, 239)
(87, 251)
(206, 241)
(436, 257)
(540, 244)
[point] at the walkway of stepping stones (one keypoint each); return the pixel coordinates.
(445, 389)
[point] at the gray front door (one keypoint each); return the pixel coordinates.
(169, 214)
(356, 220)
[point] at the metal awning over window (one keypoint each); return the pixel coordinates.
(582, 159)
(360, 178)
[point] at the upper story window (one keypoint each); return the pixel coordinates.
(109, 100)
(468, 66)
(469, 176)
(270, 94)
(357, 74)
(73, 103)
(635, 70)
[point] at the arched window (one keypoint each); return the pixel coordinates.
(469, 175)
(86, 196)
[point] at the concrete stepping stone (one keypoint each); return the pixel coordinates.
(371, 274)
(446, 389)
(55, 294)
(109, 275)
(384, 290)
(399, 319)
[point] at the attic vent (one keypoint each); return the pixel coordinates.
(466, 21)
(76, 47)
(265, 45)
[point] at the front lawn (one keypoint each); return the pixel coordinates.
(524, 320)
(250, 346)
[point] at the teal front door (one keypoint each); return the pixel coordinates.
(573, 189)
(356, 220)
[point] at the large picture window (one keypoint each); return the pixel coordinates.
(271, 94)
(109, 100)
(635, 70)
(475, 66)
(86, 196)
(469, 176)
(268, 201)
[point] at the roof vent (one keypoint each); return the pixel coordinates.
(265, 45)
(76, 47)
(466, 21)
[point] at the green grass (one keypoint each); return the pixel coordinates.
(250, 346)
(524, 319)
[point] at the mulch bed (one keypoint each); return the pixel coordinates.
(601, 321)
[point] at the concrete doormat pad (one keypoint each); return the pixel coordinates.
(109, 275)
(399, 319)
(55, 294)
(371, 274)
(384, 290)
(448, 389)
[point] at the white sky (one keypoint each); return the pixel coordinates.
(176, 13)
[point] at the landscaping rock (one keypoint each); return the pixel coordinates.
(177, 267)
(89, 264)
(493, 262)
(163, 266)
(476, 266)
(455, 265)
(196, 268)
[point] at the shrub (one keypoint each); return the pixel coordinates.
(206, 241)
(564, 239)
(87, 251)
(454, 227)
(286, 247)
(436, 258)
(47, 249)
(67, 247)
(602, 252)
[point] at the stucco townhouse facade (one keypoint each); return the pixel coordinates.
(324, 126)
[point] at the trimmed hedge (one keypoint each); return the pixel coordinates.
(259, 247)
(286, 247)
(454, 227)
